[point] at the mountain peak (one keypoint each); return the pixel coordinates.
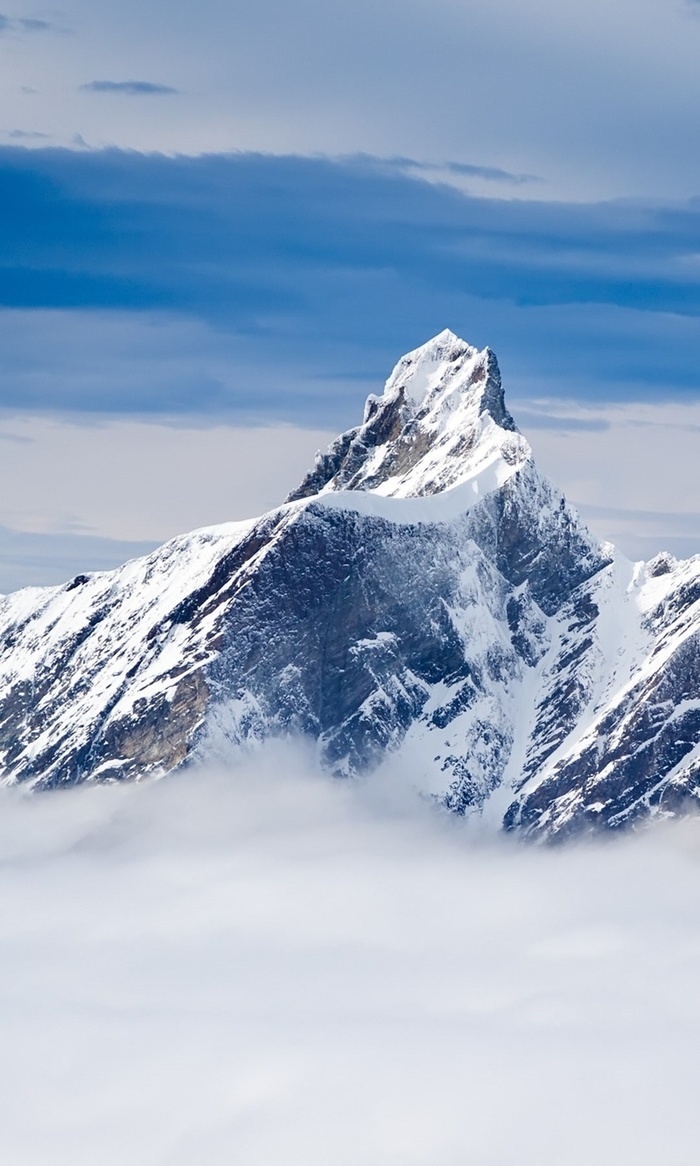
(447, 367)
(441, 421)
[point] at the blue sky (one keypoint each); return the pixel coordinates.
(288, 286)
(235, 215)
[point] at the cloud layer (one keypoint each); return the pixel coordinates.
(593, 98)
(302, 273)
(269, 966)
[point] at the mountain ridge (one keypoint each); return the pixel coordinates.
(425, 593)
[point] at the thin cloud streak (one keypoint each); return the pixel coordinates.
(28, 25)
(464, 169)
(33, 25)
(132, 88)
(28, 135)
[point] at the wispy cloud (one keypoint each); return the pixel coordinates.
(491, 173)
(27, 135)
(464, 170)
(25, 24)
(28, 24)
(134, 88)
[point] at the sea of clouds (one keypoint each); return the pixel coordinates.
(266, 967)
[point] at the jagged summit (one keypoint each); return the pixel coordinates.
(447, 362)
(441, 422)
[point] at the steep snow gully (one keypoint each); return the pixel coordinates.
(425, 595)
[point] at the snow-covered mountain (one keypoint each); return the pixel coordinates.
(425, 593)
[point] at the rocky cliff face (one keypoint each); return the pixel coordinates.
(425, 593)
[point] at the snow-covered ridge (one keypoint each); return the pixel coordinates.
(425, 594)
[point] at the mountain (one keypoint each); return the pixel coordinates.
(425, 594)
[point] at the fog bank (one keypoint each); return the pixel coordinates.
(263, 966)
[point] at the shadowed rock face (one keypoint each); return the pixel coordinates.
(375, 616)
(424, 596)
(642, 756)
